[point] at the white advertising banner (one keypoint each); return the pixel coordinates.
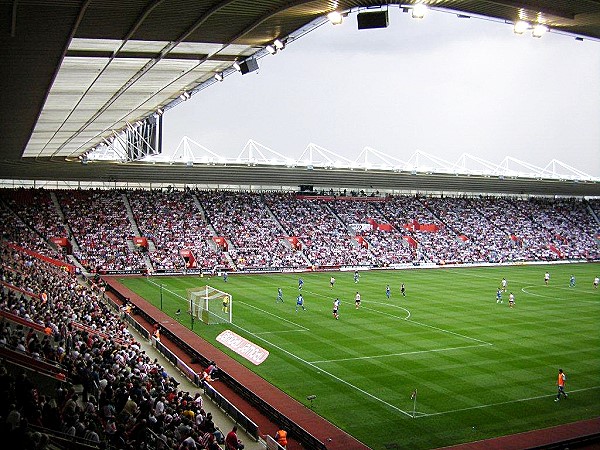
(243, 347)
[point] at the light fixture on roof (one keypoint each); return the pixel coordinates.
(335, 17)
(160, 111)
(271, 49)
(419, 10)
(185, 96)
(521, 27)
(279, 45)
(539, 30)
(248, 65)
(236, 66)
(219, 76)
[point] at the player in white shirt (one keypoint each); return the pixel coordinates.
(336, 306)
(357, 300)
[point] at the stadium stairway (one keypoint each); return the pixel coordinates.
(213, 231)
(282, 230)
(60, 213)
(136, 232)
(592, 212)
(349, 230)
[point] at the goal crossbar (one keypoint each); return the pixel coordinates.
(210, 305)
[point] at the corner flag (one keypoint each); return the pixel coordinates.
(413, 397)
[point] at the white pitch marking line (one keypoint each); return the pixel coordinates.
(524, 289)
(318, 369)
(591, 302)
(370, 309)
(167, 290)
(284, 331)
(368, 394)
(451, 332)
(398, 354)
(414, 321)
(505, 403)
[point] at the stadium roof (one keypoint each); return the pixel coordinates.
(76, 71)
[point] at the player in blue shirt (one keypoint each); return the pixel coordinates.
(572, 281)
(279, 296)
(388, 291)
(356, 276)
(300, 283)
(225, 276)
(300, 303)
(499, 296)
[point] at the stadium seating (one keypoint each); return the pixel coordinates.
(329, 231)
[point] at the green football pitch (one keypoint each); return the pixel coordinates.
(480, 368)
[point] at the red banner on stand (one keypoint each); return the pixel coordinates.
(361, 241)
(221, 242)
(188, 256)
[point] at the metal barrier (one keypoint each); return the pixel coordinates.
(239, 417)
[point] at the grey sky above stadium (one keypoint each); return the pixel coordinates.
(442, 85)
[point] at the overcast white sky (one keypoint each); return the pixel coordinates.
(442, 85)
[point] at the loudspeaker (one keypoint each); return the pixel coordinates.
(249, 65)
(375, 19)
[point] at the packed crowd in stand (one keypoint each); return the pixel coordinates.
(172, 221)
(258, 228)
(36, 209)
(14, 230)
(126, 395)
(256, 237)
(387, 247)
(325, 239)
(100, 226)
(125, 392)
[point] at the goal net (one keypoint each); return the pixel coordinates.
(210, 305)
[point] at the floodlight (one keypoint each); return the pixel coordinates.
(419, 10)
(160, 111)
(521, 27)
(237, 67)
(218, 77)
(271, 49)
(335, 17)
(539, 30)
(185, 96)
(279, 45)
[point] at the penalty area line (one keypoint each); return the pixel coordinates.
(319, 370)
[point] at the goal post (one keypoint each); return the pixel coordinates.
(210, 305)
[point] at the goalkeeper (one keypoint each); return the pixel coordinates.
(225, 304)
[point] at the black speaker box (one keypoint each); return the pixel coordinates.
(250, 65)
(374, 19)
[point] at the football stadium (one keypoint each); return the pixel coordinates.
(195, 300)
